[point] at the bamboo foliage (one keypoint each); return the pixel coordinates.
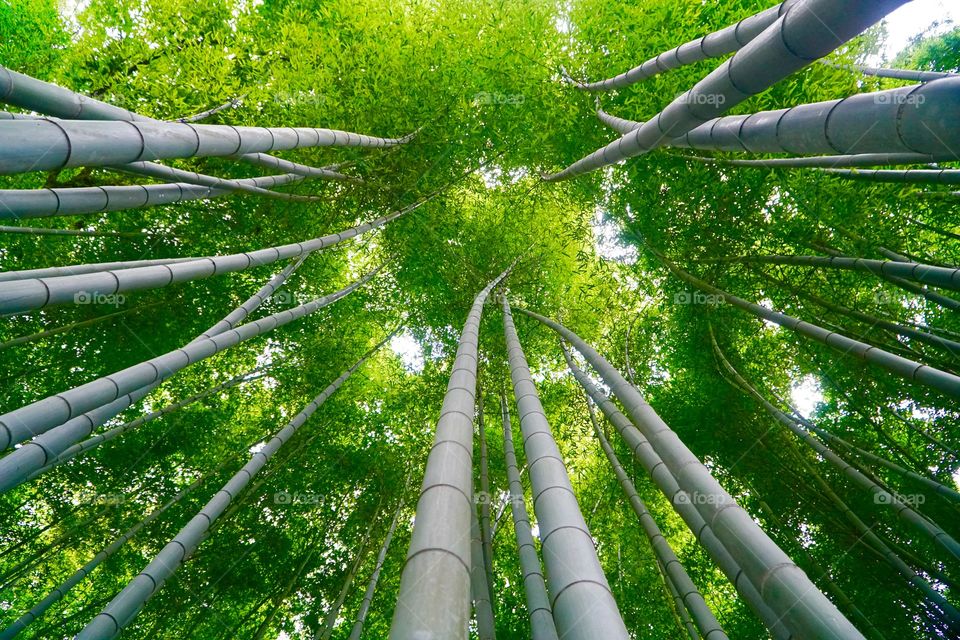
(712, 45)
(784, 586)
(126, 604)
(535, 589)
(881, 495)
(809, 30)
(434, 600)
(583, 605)
(375, 576)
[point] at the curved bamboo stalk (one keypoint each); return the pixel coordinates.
(60, 591)
(851, 160)
(127, 604)
(41, 416)
(434, 600)
(943, 381)
(620, 125)
(808, 31)
(375, 576)
(95, 441)
(674, 573)
(908, 176)
(905, 120)
(162, 172)
(73, 201)
(278, 164)
(479, 587)
(80, 269)
(945, 277)
(542, 626)
(583, 605)
(881, 496)
(36, 293)
(951, 346)
(912, 75)
(49, 448)
(45, 97)
(874, 542)
(667, 483)
(784, 587)
(712, 45)
(33, 337)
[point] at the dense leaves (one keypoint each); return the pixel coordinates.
(481, 81)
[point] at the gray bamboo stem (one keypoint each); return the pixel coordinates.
(712, 45)
(784, 587)
(943, 381)
(583, 605)
(809, 30)
(434, 600)
(479, 587)
(535, 589)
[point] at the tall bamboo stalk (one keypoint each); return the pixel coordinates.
(943, 381)
(881, 496)
(712, 45)
(486, 540)
(479, 587)
(674, 573)
(698, 526)
(785, 588)
(583, 605)
(542, 626)
(434, 600)
(375, 576)
(42, 415)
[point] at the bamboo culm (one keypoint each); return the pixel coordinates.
(667, 483)
(434, 599)
(127, 604)
(43, 415)
(881, 496)
(673, 570)
(810, 30)
(375, 577)
(583, 605)
(479, 587)
(784, 587)
(535, 589)
(712, 45)
(943, 381)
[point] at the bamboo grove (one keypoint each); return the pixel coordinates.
(324, 321)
